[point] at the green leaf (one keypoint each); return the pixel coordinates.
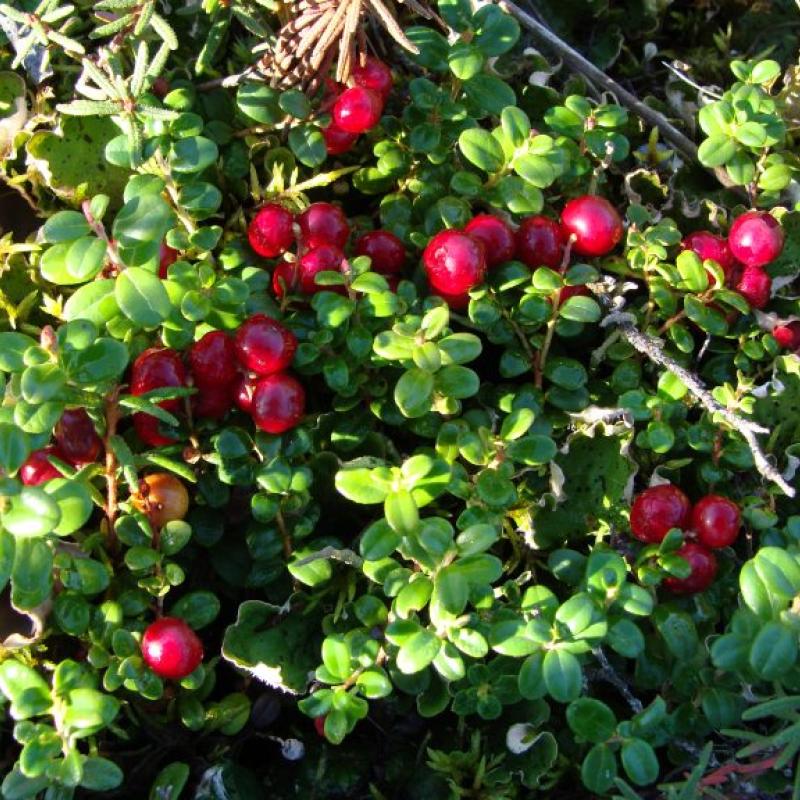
(488, 95)
(336, 657)
(142, 297)
(465, 60)
(95, 302)
(482, 149)
(192, 154)
(516, 125)
(32, 574)
(451, 589)
(774, 651)
(591, 719)
(14, 447)
(308, 144)
(100, 774)
(65, 226)
(414, 392)
(12, 349)
(581, 309)
(496, 32)
(401, 512)
(259, 102)
(690, 267)
(716, 150)
(74, 503)
(363, 485)
(89, 711)
(199, 608)
(639, 762)
(418, 652)
(25, 688)
(562, 675)
(170, 782)
(599, 768)
(31, 513)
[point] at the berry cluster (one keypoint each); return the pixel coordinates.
(249, 370)
(359, 108)
(321, 233)
(456, 261)
(754, 240)
(713, 522)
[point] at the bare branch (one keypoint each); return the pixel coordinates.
(343, 555)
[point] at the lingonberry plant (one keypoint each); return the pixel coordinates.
(387, 412)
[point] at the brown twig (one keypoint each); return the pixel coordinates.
(112, 418)
(286, 537)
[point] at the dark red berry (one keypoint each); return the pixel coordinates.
(171, 648)
(319, 726)
(213, 360)
(788, 335)
(160, 88)
(243, 392)
(454, 263)
(716, 521)
(271, 231)
(37, 469)
(284, 278)
(594, 223)
(323, 223)
(458, 302)
(325, 258)
(703, 566)
(156, 368)
(279, 402)
(338, 141)
(756, 238)
(566, 292)
(496, 237)
(76, 437)
(386, 251)
(540, 242)
(213, 402)
(357, 109)
(375, 75)
(708, 246)
(265, 346)
(658, 509)
(755, 286)
(166, 256)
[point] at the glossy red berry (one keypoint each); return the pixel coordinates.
(37, 469)
(756, 238)
(566, 292)
(703, 566)
(658, 509)
(454, 263)
(265, 346)
(323, 223)
(788, 335)
(496, 237)
(213, 360)
(213, 402)
(755, 286)
(338, 141)
(76, 437)
(386, 251)
(271, 231)
(709, 246)
(156, 368)
(171, 648)
(284, 278)
(375, 75)
(325, 258)
(595, 224)
(166, 257)
(540, 242)
(716, 521)
(357, 109)
(243, 392)
(279, 402)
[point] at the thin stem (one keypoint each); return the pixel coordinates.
(286, 537)
(112, 418)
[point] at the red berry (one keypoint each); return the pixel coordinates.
(708, 246)
(265, 346)
(279, 402)
(323, 223)
(338, 141)
(166, 256)
(37, 469)
(716, 520)
(243, 392)
(658, 509)
(162, 497)
(755, 286)
(756, 238)
(572, 291)
(496, 237)
(171, 648)
(284, 278)
(703, 566)
(271, 231)
(325, 258)
(374, 75)
(540, 242)
(156, 368)
(357, 109)
(386, 251)
(76, 437)
(788, 335)
(319, 726)
(213, 360)
(454, 263)
(594, 223)
(213, 402)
